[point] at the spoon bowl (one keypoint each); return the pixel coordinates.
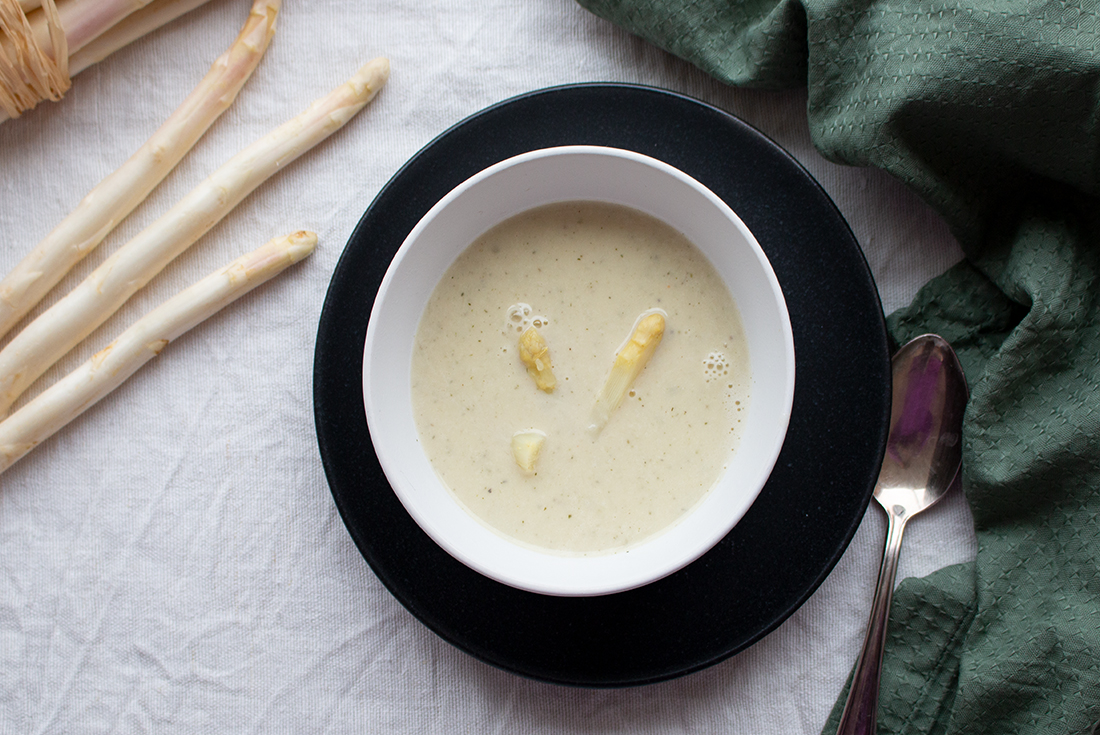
(923, 456)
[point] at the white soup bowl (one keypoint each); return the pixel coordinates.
(533, 179)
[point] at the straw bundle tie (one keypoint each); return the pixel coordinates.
(30, 74)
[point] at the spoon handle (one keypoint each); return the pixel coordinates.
(861, 709)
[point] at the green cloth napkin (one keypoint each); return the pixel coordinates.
(991, 112)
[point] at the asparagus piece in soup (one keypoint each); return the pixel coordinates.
(535, 354)
(526, 446)
(629, 363)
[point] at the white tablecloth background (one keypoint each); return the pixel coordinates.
(173, 561)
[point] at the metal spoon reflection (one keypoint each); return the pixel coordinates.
(923, 455)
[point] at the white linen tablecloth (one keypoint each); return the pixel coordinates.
(173, 560)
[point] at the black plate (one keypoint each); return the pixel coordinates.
(806, 514)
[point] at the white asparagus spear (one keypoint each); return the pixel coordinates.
(117, 195)
(81, 20)
(84, 20)
(110, 367)
(92, 41)
(61, 327)
(129, 29)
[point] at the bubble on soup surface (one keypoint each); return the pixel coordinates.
(517, 318)
(715, 365)
(520, 316)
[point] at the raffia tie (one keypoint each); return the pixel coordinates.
(28, 73)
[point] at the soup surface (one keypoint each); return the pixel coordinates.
(581, 273)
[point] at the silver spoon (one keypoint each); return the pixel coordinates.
(923, 454)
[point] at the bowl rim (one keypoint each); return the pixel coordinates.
(406, 493)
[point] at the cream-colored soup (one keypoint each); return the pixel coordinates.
(582, 273)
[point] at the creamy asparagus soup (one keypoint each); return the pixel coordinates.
(528, 344)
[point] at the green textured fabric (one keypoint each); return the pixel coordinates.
(991, 112)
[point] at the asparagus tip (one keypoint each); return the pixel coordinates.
(301, 244)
